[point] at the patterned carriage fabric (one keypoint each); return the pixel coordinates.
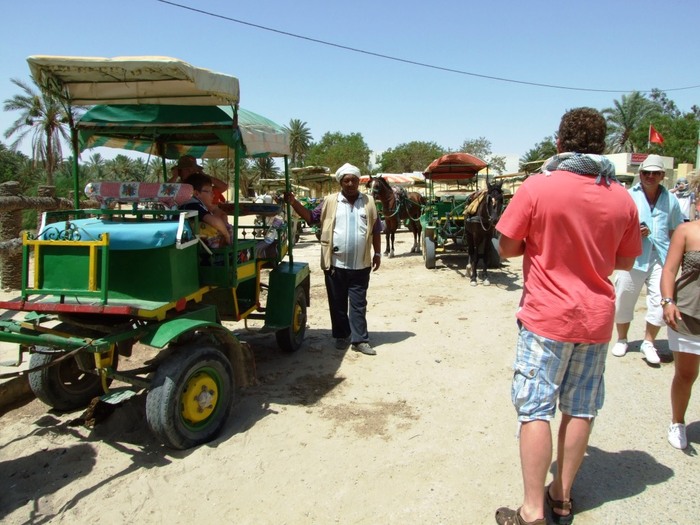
(171, 195)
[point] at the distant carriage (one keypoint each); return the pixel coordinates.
(443, 218)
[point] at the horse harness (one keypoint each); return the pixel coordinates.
(474, 211)
(400, 198)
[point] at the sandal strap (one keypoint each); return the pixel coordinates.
(559, 504)
(506, 516)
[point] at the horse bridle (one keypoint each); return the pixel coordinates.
(403, 200)
(490, 203)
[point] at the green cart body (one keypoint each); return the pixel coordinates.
(97, 280)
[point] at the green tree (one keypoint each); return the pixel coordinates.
(627, 115)
(680, 136)
(409, 157)
(15, 165)
(299, 141)
(43, 116)
(532, 160)
(481, 148)
(335, 149)
(667, 106)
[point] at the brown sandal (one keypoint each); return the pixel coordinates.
(506, 516)
(560, 519)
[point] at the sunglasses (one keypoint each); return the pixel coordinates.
(651, 172)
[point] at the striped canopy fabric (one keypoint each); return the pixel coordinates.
(173, 131)
(396, 179)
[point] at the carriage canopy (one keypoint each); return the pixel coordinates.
(454, 166)
(134, 80)
(172, 131)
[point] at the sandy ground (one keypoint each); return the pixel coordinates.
(422, 433)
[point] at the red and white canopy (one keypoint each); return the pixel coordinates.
(397, 179)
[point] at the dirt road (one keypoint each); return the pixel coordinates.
(422, 433)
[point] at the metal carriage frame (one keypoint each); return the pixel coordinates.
(90, 298)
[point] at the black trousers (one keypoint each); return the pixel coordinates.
(347, 301)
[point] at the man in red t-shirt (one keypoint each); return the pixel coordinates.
(574, 224)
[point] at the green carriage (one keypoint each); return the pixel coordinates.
(131, 268)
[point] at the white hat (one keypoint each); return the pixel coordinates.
(653, 163)
(347, 169)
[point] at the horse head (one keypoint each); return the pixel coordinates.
(495, 201)
(373, 185)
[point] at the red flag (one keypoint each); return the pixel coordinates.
(655, 136)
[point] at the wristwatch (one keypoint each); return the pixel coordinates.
(666, 300)
(377, 254)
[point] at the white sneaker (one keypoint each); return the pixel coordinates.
(649, 352)
(620, 348)
(676, 436)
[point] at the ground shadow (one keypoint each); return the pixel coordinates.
(301, 378)
(502, 277)
(29, 478)
(661, 345)
(692, 432)
(610, 476)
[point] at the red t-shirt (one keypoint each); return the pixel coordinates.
(573, 230)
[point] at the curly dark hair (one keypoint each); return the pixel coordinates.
(582, 130)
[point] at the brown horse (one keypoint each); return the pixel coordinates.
(479, 227)
(397, 205)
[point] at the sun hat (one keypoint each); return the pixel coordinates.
(347, 169)
(187, 162)
(653, 163)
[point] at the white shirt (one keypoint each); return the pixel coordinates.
(349, 234)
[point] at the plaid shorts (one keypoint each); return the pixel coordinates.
(545, 370)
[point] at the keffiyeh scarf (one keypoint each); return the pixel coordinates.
(583, 164)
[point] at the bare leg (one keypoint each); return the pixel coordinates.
(686, 366)
(571, 447)
(651, 332)
(535, 458)
(622, 330)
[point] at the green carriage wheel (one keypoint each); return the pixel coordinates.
(191, 396)
(291, 338)
(65, 385)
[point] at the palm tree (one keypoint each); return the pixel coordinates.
(96, 166)
(43, 116)
(535, 157)
(627, 114)
(299, 141)
(265, 168)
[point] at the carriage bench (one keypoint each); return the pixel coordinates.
(110, 254)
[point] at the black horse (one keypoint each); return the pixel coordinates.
(481, 213)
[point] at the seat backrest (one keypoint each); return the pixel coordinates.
(170, 194)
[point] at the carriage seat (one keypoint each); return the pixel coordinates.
(169, 194)
(122, 235)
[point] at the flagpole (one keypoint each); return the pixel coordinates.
(649, 139)
(697, 155)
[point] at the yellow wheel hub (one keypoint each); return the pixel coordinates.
(298, 318)
(199, 397)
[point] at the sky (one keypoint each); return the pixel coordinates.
(611, 46)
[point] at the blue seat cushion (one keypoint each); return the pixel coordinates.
(122, 235)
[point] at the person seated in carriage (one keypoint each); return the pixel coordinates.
(186, 167)
(213, 230)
